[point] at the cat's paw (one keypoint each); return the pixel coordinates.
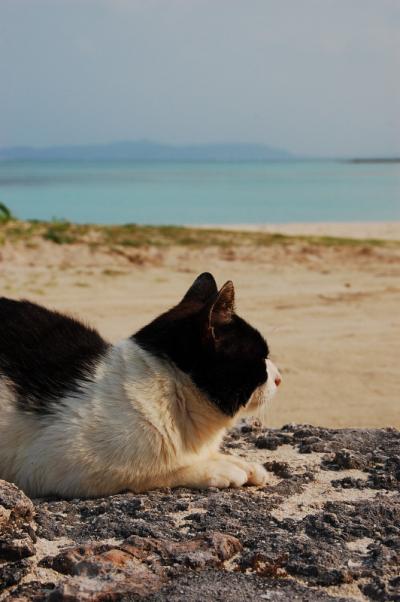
(225, 474)
(219, 471)
(256, 473)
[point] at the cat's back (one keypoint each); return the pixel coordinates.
(44, 354)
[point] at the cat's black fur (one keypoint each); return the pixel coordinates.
(44, 354)
(223, 355)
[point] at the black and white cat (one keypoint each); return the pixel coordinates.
(82, 417)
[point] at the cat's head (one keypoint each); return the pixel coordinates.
(224, 356)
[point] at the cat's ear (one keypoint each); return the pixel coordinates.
(222, 309)
(202, 289)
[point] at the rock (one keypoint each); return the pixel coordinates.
(222, 586)
(17, 535)
(12, 573)
(267, 442)
(280, 469)
(325, 527)
(102, 572)
(12, 548)
(344, 459)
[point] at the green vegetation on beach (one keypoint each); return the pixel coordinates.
(133, 235)
(5, 213)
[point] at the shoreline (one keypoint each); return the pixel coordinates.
(385, 230)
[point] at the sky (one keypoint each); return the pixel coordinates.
(316, 77)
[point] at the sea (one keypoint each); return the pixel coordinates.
(201, 193)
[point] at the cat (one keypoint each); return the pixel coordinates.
(80, 417)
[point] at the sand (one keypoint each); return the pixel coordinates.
(330, 314)
(357, 230)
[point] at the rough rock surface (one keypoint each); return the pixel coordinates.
(325, 527)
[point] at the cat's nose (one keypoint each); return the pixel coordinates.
(274, 373)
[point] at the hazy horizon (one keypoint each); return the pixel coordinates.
(315, 79)
(189, 145)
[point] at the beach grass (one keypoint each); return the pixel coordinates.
(63, 232)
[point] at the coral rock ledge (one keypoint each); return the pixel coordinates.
(325, 527)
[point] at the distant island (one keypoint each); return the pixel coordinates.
(144, 150)
(375, 160)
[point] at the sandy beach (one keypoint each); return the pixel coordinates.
(356, 230)
(330, 311)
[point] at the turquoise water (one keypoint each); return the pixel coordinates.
(196, 193)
